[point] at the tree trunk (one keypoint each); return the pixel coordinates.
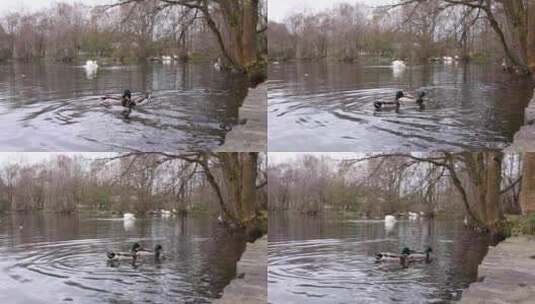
(241, 18)
(517, 18)
(527, 195)
(239, 174)
(531, 35)
(484, 171)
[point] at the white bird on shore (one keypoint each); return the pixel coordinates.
(413, 216)
(447, 59)
(165, 213)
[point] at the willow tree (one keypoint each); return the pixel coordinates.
(516, 34)
(477, 176)
(484, 172)
(237, 34)
(232, 176)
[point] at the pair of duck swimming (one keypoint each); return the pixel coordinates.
(127, 101)
(135, 253)
(401, 98)
(406, 257)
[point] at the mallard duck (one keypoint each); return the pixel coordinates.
(416, 257)
(393, 257)
(402, 98)
(156, 253)
(117, 255)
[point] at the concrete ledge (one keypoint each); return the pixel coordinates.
(524, 140)
(507, 275)
(252, 135)
(250, 284)
(530, 111)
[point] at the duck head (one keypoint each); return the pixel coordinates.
(110, 255)
(136, 247)
(158, 251)
(420, 97)
(428, 251)
(399, 95)
(127, 94)
(406, 251)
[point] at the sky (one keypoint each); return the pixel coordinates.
(280, 9)
(33, 5)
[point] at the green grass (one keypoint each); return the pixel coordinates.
(521, 224)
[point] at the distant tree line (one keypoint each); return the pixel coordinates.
(483, 186)
(137, 30)
(229, 184)
(371, 188)
(413, 30)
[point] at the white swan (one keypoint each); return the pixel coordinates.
(165, 213)
(128, 225)
(91, 68)
(398, 65)
(218, 64)
(390, 222)
(129, 217)
(413, 216)
(447, 59)
(390, 219)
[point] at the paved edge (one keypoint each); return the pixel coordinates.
(250, 284)
(506, 274)
(524, 140)
(251, 136)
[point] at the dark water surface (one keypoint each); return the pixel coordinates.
(62, 259)
(329, 107)
(331, 260)
(56, 107)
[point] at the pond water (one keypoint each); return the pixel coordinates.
(332, 260)
(56, 107)
(329, 107)
(62, 259)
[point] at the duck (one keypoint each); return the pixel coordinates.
(157, 253)
(418, 257)
(402, 98)
(118, 256)
(393, 257)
